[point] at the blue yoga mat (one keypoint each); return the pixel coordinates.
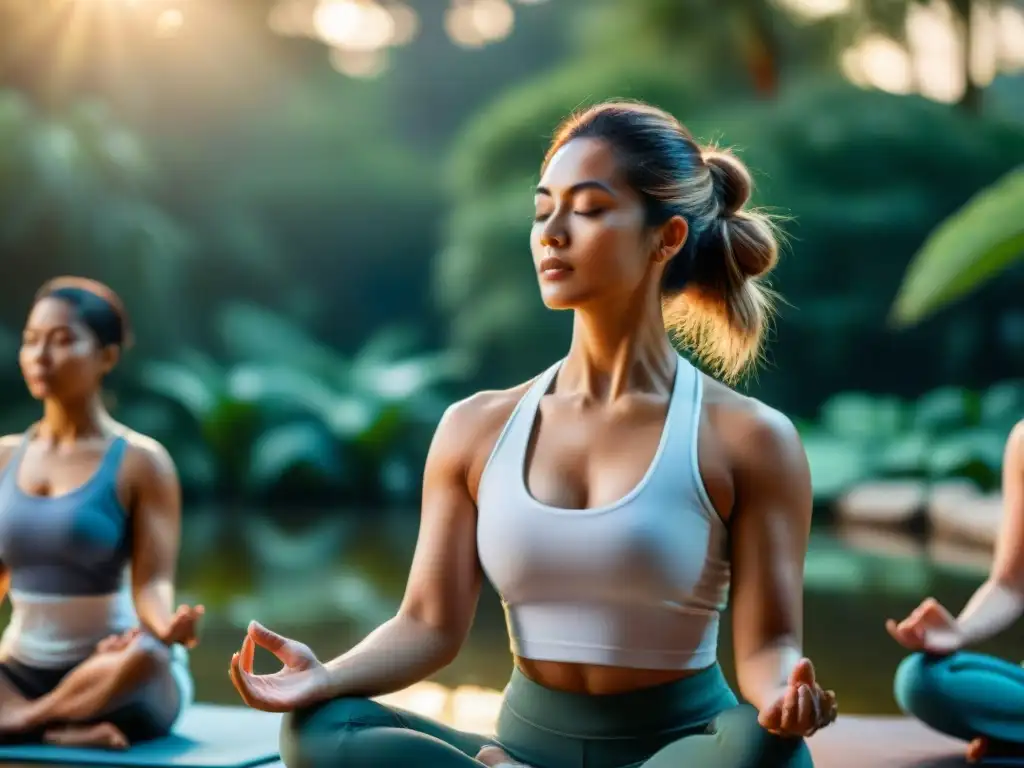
(206, 736)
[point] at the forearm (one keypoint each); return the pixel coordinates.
(400, 652)
(154, 601)
(764, 674)
(993, 608)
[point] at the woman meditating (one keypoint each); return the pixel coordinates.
(94, 654)
(616, 502)
(960, 693)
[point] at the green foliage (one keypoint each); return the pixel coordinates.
(950, 432)
(969, 248)
(290, 417)
(77, 186)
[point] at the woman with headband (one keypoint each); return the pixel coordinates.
(95, 652)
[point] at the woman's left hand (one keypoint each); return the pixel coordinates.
(184, 626)
(802, 706)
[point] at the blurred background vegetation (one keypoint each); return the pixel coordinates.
(317, 212)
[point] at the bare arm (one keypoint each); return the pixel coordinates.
(1000, 600)
(8, 446)
(444, 581)
(770, 527)
(156, 514)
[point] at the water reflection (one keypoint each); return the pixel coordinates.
(329, 579)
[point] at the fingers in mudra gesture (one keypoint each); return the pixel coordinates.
(301, 682)
(929, 627)
(802, 708)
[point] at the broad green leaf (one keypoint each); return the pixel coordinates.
(946, 409)
(859, 416)
(970, 247)
(836, 464)
(290, 446)
(182, 384)
(907, 455)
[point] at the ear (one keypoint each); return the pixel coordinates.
(671, 238)
(109, 357)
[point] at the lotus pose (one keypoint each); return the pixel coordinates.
(92, 656)
(963, 694)
(616, 502)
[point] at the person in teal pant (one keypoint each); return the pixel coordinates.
(616, 502)
(963, 694)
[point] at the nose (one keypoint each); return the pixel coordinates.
(36, 352)
(554, 238)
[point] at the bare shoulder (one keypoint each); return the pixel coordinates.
(470, 428)
(755, 435)
(8, 447)
(1014, 444)
(147, 460)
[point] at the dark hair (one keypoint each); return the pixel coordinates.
(97, 307)
(713, 300)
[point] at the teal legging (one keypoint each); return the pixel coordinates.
(692, 722)
(964, 695)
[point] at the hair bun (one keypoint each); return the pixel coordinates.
(732, 181)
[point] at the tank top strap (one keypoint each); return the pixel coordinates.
(111, 462)
(681, 422)
(507, 455)
(523, 418)
(11, 469)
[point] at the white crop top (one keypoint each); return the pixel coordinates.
(639, 583)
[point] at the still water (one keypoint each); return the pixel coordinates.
(328, 578)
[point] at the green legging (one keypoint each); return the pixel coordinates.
(692, 722)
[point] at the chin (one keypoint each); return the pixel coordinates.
(559, 298)
(40, 391)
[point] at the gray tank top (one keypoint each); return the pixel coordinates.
(67, 557)
(638, 583)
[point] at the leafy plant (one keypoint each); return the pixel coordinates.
(292, 415)
(949, 432)
(970, 247)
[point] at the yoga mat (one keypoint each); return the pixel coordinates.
(890, 742)
(206, 736)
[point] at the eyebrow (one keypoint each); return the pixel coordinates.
(50, 329)
(592, 184)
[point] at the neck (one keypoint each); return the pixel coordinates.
(616, 349)
(68, 421)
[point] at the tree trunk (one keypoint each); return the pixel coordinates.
(760, 48)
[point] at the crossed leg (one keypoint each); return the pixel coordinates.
(85, 708)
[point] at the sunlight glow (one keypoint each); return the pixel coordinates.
(354, 25)
(467, 708)
(361, 64)
(169, 22)
(815, 10)
(372, 26)
(475, 23)
(931, 63)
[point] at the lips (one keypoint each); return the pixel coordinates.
(554, 264)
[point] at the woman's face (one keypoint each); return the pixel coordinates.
(589, 238)
(60, 357)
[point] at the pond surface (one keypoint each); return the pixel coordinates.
(328, 578)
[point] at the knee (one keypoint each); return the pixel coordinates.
(746, 744)
(918, 687)
(313, 736)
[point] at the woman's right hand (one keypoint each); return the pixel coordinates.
(302, 682)
(930, 627)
